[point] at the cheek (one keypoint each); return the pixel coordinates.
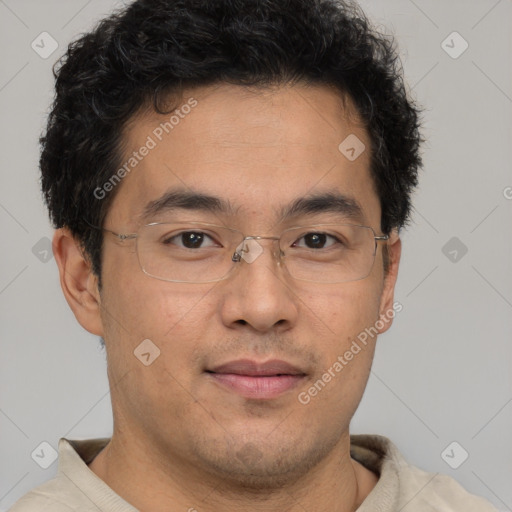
(343, 310)
(173, 317)
(347, 314)
(137, 306)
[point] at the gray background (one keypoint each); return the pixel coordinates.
(441, 374)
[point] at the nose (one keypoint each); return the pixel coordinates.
(259, 292)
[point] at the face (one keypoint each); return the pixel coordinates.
(209, 400)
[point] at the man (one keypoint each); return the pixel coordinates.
(228, 180)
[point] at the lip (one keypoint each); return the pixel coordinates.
(256, 369)
(257, 380)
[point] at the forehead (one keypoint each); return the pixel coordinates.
(260, 150)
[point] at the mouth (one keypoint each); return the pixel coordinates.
(257, 380)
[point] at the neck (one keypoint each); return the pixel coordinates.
(148, 481)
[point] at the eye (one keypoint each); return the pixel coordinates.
(316, 241)
(191, 240)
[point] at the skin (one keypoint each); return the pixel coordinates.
(181, 441)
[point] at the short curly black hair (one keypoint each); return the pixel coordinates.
(166, 46)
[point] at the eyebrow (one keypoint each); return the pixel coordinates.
(185, 200)
(328, 202)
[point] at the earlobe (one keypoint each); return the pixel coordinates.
(387, 310)
(78, 282)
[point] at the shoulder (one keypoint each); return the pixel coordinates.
(44, 498)
(408, 487)
(435, 491)
(60, 494)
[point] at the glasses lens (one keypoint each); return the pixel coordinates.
(193, 252)
(329, 253)
(186, 252)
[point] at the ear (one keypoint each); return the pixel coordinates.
(78, 282)
(387, 310)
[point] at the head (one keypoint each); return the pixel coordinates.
(233, 114)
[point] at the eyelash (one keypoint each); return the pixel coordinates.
(177, 236)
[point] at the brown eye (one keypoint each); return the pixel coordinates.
(315, 241)
(190, 240)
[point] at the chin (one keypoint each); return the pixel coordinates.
(259, 465)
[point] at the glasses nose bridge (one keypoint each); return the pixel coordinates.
(243, 248)
(259, 237)
(276, 252)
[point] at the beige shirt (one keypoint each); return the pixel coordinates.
(401, 487)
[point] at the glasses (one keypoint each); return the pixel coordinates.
(196, 252)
